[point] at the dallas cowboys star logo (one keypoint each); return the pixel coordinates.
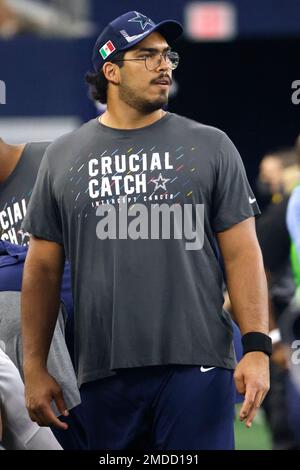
(142, 19)
(160, 182)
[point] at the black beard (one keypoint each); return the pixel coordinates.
(143, 106)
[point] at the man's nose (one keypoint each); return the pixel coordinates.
(164, 63)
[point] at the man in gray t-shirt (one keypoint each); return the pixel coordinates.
(140, 201)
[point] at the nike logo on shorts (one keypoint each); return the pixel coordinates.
(251, 200)
(206, 369)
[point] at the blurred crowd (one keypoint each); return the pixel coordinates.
(278, 230)
(52, 18)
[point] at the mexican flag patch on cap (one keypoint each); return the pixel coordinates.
(107, 49)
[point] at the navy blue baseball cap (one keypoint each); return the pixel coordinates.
(126, 31)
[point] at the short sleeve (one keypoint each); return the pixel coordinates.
(233, 198)
(42, 218)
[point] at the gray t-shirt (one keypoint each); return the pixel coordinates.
(59, 362)
(146, 299)
(16, 191)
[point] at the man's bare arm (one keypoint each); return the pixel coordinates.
(245, 276)
(247, 288)
(40, 306)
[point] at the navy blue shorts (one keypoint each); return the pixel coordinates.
(173, 407)
(73, 438)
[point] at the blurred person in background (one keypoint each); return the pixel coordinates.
(10, 22)
(54, 18)
(292, 316)
(19, 165)
(278, 172)
(278, 175)
(293, 214)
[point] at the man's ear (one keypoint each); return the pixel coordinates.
(111, 72)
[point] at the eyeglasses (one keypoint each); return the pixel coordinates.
(154, 60)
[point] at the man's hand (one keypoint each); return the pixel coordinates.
(252, 379)
(40, 389)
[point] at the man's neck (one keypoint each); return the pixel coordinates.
(131, 119)
(9, 158)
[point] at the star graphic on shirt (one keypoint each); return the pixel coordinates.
(23, 236)
(160, 182)
(142, 19)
